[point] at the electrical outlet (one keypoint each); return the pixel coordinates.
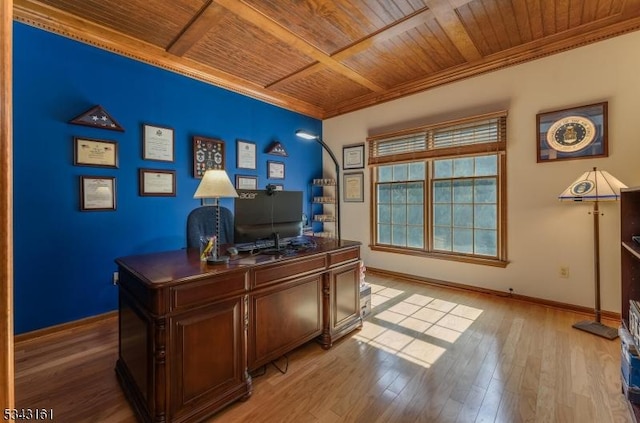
(564, 272)
(116, 277)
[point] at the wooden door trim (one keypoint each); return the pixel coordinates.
(7, 398)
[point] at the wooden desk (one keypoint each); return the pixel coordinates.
(191, 332)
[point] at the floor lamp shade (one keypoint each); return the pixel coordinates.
(215, 184)
(595, 186)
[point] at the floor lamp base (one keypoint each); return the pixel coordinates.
(597, 328)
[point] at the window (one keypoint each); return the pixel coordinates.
(400, 194)
(440, 190)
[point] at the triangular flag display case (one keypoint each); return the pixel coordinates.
(277, 149)
(97, 117)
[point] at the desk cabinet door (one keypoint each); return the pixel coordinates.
(284, 317)
(209, 359)
(343, 303)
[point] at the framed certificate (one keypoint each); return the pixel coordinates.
(575, 133)
(246, 182)
(90, 152)
(208, 153)
(354, 187)
(246, 154)
(97, 193)
(156, 183)
(275, 170)
(157, 143)
(353, 156)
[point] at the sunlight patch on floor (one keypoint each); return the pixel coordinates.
(414, 316)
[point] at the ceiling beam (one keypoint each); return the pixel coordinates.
(445, 13)
(196, 29)
(576, 37)
(439, 10)
(34, 13)
(253, 16)
(399, 27)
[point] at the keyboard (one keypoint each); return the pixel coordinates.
(263, 244)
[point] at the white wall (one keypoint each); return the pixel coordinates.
(543, 233)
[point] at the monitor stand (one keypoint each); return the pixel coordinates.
(276, 245)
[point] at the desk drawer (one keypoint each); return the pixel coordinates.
(339, 257)
(280, 271)
(208, 290)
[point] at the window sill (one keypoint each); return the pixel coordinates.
(485, 261)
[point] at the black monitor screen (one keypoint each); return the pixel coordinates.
(258, 215)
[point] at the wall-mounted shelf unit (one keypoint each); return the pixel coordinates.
(323, 205)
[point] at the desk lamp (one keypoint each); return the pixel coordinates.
(309, 136)
(595, 186)
(216, 184)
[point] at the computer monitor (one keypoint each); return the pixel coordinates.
(259, 214)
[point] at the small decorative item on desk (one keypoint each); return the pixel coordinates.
(208, 248)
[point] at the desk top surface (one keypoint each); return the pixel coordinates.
(168, 267)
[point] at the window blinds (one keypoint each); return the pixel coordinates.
(467, 136)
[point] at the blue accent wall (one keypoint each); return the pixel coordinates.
(64, 258)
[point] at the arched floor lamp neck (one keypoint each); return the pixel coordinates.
(309, 136)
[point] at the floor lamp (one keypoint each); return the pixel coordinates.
(215, 184)
(309, 136)
(595, 186)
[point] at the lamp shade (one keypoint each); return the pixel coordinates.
(594, 185)
(215, 183)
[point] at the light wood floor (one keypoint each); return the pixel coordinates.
(426, 354)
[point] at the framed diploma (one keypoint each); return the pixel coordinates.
(97, 193)
(157, 143)
(246, 182)
(275, 170)
(208, 153)
(246, 154)
(353, 156)
(156, 183)
(90, 152)
(354, 187)
(575, 133)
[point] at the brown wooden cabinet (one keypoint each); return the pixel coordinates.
(342, 303)
(630, 258)
(190, 333)
(284, 317)
(182, 352)
(208, 359)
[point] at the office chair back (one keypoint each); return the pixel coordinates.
(202, 222)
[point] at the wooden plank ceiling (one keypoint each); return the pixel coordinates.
(324, 58)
